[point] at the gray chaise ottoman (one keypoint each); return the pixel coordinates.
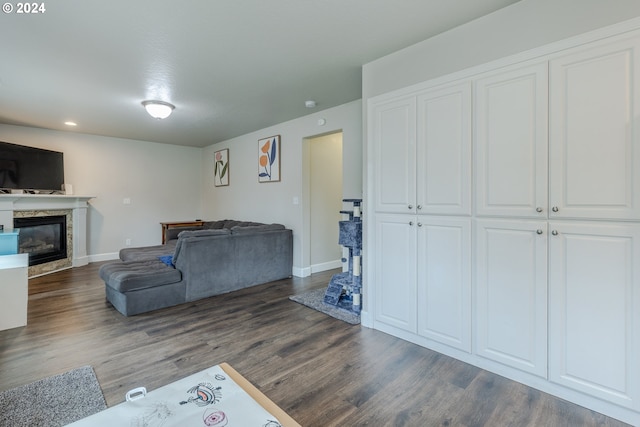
(135, 287)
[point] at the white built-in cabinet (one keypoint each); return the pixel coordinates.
(396, 268)
(505, 216)
(423, 158)
(511, 293)
(511, 116)
(394, 143)
(594, 309)
(422, 146)
(594, 154)
(428, 262)
(444, 280)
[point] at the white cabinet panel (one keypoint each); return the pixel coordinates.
(393, 130)
(395, 271)
(594, 309)
(594, 141)
(511, 293)
(444, 280)
(511, 142)
(444, 151)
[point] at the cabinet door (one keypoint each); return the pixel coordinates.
(594, 141)
(594, 309)
(444, 151)
(395, 271)
(392, 126)
(511, 293)
(444, 280)
(511, 116)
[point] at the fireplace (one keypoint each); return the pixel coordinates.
(44, 238)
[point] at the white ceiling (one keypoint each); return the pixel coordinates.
(229, 66)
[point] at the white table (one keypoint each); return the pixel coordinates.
(214, 397)
(14, 290)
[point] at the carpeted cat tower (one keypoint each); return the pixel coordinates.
(345, 289)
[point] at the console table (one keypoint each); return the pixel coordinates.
(14, 292)
(178, 224)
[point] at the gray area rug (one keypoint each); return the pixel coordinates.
(53, 401)
(315, 299)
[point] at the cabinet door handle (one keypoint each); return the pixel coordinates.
(419, 206)
(419, 224)
(410, 206)
(555, 209)
(538, 210)
(411, 223)
(539, 231)
(554, 232)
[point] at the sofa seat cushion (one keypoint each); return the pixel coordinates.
(148, 252)
(135, 275)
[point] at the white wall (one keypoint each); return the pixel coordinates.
(246, 199)
(162, 181)
(521, 26)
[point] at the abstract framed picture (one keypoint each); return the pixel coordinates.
(269, 159)
(221, 168)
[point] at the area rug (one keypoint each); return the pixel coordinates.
(315, 299)
(53, 401)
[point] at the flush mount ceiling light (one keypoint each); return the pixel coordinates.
(158, 109)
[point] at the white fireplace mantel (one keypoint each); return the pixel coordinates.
(78, 205)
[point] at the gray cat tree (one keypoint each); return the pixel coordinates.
(345, 289)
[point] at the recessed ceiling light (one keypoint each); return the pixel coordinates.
(70, 123)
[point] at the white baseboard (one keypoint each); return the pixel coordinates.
(301, 272)
(103, 257)
(365, 319)
(317, 268)
(79, 262)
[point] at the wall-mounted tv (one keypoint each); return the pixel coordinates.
(32, 169)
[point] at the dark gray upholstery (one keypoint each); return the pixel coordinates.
(148, 252)
(208, 261)
(136, 275)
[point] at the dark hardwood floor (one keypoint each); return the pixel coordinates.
(320, 370)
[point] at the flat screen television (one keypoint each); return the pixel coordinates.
(31, 169)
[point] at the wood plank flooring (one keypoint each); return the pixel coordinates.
(320, 370)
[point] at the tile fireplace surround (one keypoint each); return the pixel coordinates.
(12, 205)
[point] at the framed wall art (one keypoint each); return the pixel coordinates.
(221, 168)
(269, 159)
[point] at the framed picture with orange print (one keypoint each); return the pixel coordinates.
(269, 159)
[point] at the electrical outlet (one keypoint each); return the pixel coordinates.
(126, 201)
(127, 242)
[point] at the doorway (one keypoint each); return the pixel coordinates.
(323, 182)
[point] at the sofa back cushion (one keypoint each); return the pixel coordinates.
(213, 225)
(196, 234)
(256, 228)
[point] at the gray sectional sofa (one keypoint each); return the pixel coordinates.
(219, 257)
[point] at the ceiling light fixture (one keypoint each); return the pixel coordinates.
(158, 109)
(310, 104)
(70, 123)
